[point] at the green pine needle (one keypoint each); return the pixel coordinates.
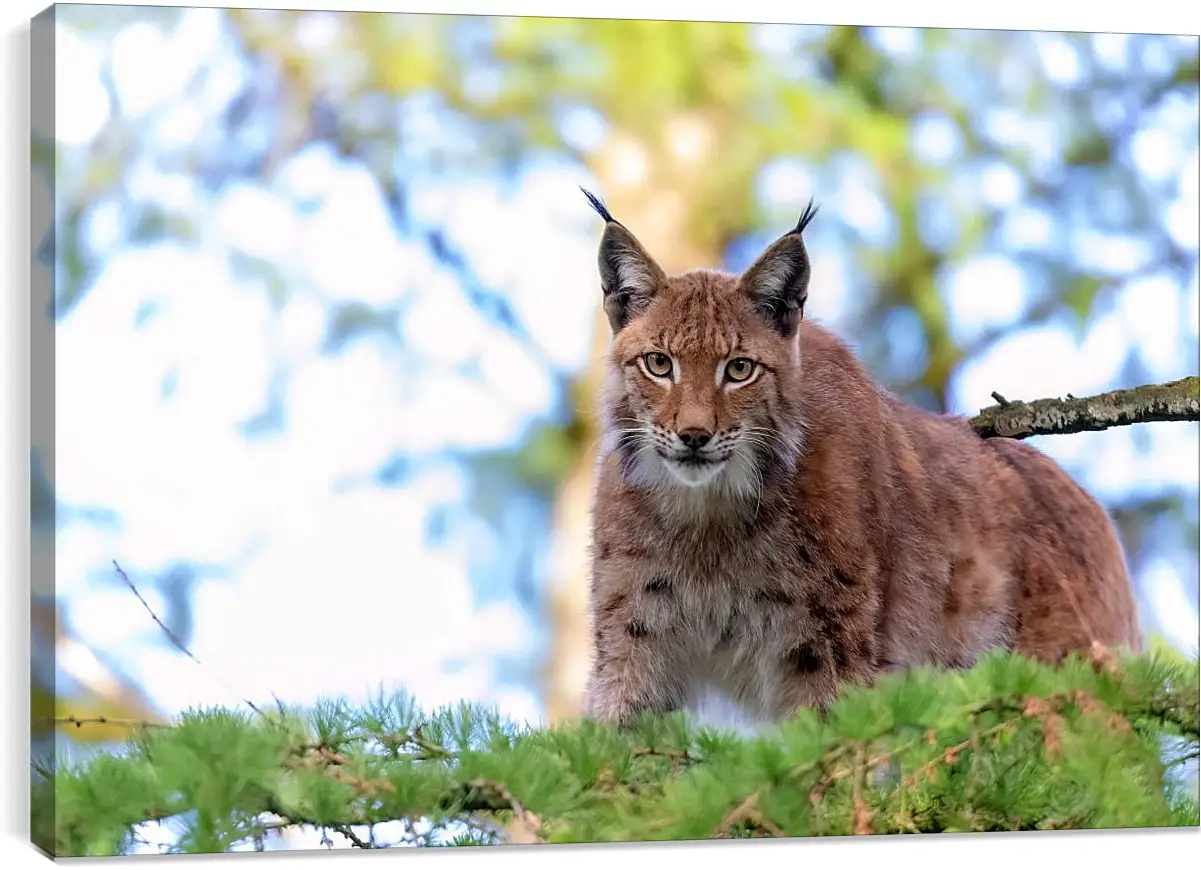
(1011, 744)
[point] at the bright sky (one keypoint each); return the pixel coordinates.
(330, 592)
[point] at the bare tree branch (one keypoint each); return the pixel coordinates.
(1176, 401)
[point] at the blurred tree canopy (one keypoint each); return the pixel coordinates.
(699, 122)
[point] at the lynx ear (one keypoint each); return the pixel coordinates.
(778, 282)
(629, 276)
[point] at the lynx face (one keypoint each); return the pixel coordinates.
(699, 393)
(703, 365)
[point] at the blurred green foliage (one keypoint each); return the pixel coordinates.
(836, 94)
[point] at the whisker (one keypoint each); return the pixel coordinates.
(764, 431)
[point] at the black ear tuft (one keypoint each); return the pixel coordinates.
(630, 277)
(598, 206)
(778, 282)
(807, 217)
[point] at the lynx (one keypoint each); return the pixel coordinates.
(769, 525)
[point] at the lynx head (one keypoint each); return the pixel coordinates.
(704, 366)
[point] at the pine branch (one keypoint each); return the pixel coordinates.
(1176, 401)
(1008, 744)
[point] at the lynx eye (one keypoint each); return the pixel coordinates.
(658, 364)
(738, 370)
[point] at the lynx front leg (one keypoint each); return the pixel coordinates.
(830, 646)
(635, 669)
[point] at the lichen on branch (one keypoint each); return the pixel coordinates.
(1176, 401)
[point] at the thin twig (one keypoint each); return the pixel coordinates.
(348, 833)
(823, 761)
(484, 795)
(862, 816)
(678, 757)
(429, 750)
(175, 640)
(748, 813)
(80, 721)
(332, 763)
(951, 754)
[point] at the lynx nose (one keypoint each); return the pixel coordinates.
(694, 439)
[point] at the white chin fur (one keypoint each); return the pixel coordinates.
(694, 475)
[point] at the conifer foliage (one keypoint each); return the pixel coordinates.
(1010, 744)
